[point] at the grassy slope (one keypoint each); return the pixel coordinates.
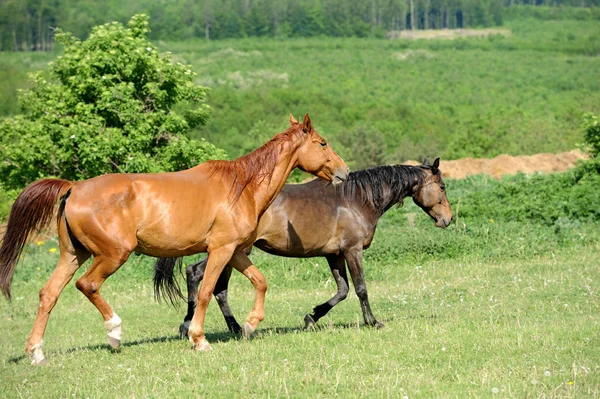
(498, 316)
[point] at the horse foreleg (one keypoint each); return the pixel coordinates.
(194, 274)
(242, 264)
(217, 259)
(338, 269)
(67, 266)
(354, 260)
(89, 284)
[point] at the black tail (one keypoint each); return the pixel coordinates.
(166, 285)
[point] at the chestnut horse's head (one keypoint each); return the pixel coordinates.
(316, 157)
(430, 195)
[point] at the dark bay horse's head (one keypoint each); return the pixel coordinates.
(316, 157)
(430, 195)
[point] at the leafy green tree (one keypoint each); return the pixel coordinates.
(108, 108)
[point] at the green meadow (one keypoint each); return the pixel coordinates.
(489, 307)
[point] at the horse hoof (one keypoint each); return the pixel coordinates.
(248, 330)
(42, 362)
(309, 322)
(184, 329)
(204, 347)
(37, 355)
(378, 325)
(114, 343)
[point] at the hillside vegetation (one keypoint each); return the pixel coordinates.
(382, 101)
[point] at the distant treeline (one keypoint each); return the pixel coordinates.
(27, 25)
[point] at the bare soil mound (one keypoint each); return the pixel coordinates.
(445, 33)
(509, 165)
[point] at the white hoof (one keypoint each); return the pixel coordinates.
(113, 330)
(247, 330)
(113, 342)
(37, 356)
(203, 346)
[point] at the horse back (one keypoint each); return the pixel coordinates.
(310, 219)
(163, 214)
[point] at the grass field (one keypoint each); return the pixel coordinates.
(516, 315)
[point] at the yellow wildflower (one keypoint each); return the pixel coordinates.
(52, 250)
(570, 382)
(40, 243)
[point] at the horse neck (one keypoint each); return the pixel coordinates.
(394, 190)
(267, 187)
(398, 191)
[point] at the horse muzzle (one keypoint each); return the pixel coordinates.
(340, 176)
(443, 222)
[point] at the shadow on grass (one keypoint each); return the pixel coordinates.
(222, 336)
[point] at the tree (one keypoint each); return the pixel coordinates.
(107, 109)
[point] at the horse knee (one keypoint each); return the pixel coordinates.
(203, 299)
(46, 299)
(361, 292)
(86, 287)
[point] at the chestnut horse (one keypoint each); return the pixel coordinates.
(213, 207)
(316, 219)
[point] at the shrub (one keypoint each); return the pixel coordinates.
(107, 108)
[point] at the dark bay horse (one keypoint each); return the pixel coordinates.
(213, 207)
(318, 219)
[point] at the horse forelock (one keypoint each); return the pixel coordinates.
(257, 166)
(370, 184)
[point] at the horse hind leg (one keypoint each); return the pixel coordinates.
(222, 299)
(89, 284)
(338, 269)
(67, 266)
(194, 274)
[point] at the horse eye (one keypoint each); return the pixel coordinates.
(443, 188)
(323, 143)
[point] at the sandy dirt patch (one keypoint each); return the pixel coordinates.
(509, 165)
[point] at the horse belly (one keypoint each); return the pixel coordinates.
(174, 225)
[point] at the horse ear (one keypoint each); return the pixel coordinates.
(292, 119)
(435, 166)
(307, 124)
(426, 161)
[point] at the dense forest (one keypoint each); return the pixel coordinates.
(27, 25)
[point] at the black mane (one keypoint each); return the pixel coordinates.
(371, 183)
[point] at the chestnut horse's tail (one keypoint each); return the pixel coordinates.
(32, 210)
